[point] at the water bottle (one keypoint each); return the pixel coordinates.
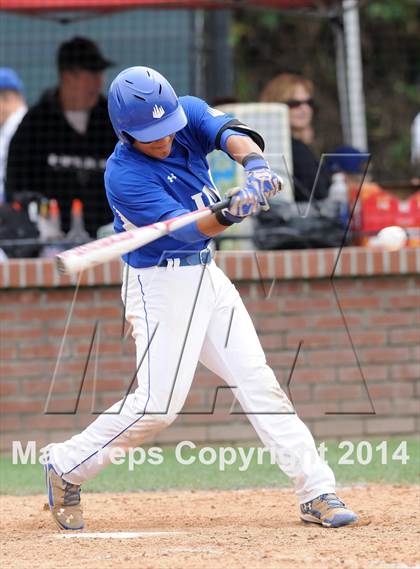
(339, 193)
(77, 234)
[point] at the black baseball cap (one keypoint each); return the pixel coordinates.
(81, 53)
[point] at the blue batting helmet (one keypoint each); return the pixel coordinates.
(143, 104)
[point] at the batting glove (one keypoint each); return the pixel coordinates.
(243, 202)
(261, 178)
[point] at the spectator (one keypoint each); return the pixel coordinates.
(61, 146)
(297, 93)
(12, 110)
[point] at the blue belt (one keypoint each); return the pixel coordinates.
(202, 257)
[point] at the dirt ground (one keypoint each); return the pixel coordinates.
(228, 530)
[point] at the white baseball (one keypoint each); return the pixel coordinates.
(391, 238)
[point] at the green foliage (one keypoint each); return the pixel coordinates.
(391, 10)
(268, 42)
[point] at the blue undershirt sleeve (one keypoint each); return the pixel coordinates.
(228, 132)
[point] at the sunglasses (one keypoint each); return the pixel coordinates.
(295, 103)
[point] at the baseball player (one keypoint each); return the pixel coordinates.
(179, 303)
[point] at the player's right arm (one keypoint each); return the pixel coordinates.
(216, 130)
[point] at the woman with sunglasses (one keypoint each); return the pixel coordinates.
(297, 93)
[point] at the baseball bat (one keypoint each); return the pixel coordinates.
(108, 248)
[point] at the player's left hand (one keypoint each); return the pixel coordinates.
(261, 179)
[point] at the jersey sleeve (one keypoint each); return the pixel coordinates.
(205, 122)
(209, 125)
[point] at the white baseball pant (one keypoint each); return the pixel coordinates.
(182, 315)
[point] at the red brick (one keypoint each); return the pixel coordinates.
(65, 295)
(321, 286)
(82, 348)
(244, 289)
(48, 422)
(38, 351)
(383, 406)
(273, 323)
(10, 423)
(121, 366)
(313, 375)
(22, 333)
(109, 294)
(247, 263)
(361, 405)
(310, 409)
(391, 355)
(6, 442)
(283, 358)
(379, 425)
(332, 428)
(8, 316)
(22, 296)
(406, 407)
(67, 406)
(331, 256)
(256, 306)
(407, 371)
(300, 393)
(384, 284)
(337, 321)
(196, 400)
(261, 263)
(92, 313)
(19, 406)
(10, 352)
(118, 385)
(336, 392)
(391, 319)
(8, 388)
(371, 338)
(348, 302)
(19, 369)
(389, 390)
(297, 265)
(271, 341)
(309, 304)
(405, 336)
(282, 288)
(42, 387)
(328, 356)
(45, 313)
(14, 273)
(404, 301)
(48, 273)
(312, 339)
(370, 373)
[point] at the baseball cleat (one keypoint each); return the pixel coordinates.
(64, 500)
(327, 510)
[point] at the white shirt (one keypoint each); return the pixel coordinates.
(7, 130)
(78, 120)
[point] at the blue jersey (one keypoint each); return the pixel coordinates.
(142, 190)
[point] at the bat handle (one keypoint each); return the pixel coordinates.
(225, 203)
(220, 205)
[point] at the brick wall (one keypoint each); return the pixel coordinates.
(352, 342)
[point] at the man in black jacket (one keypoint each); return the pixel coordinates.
(61, 146)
